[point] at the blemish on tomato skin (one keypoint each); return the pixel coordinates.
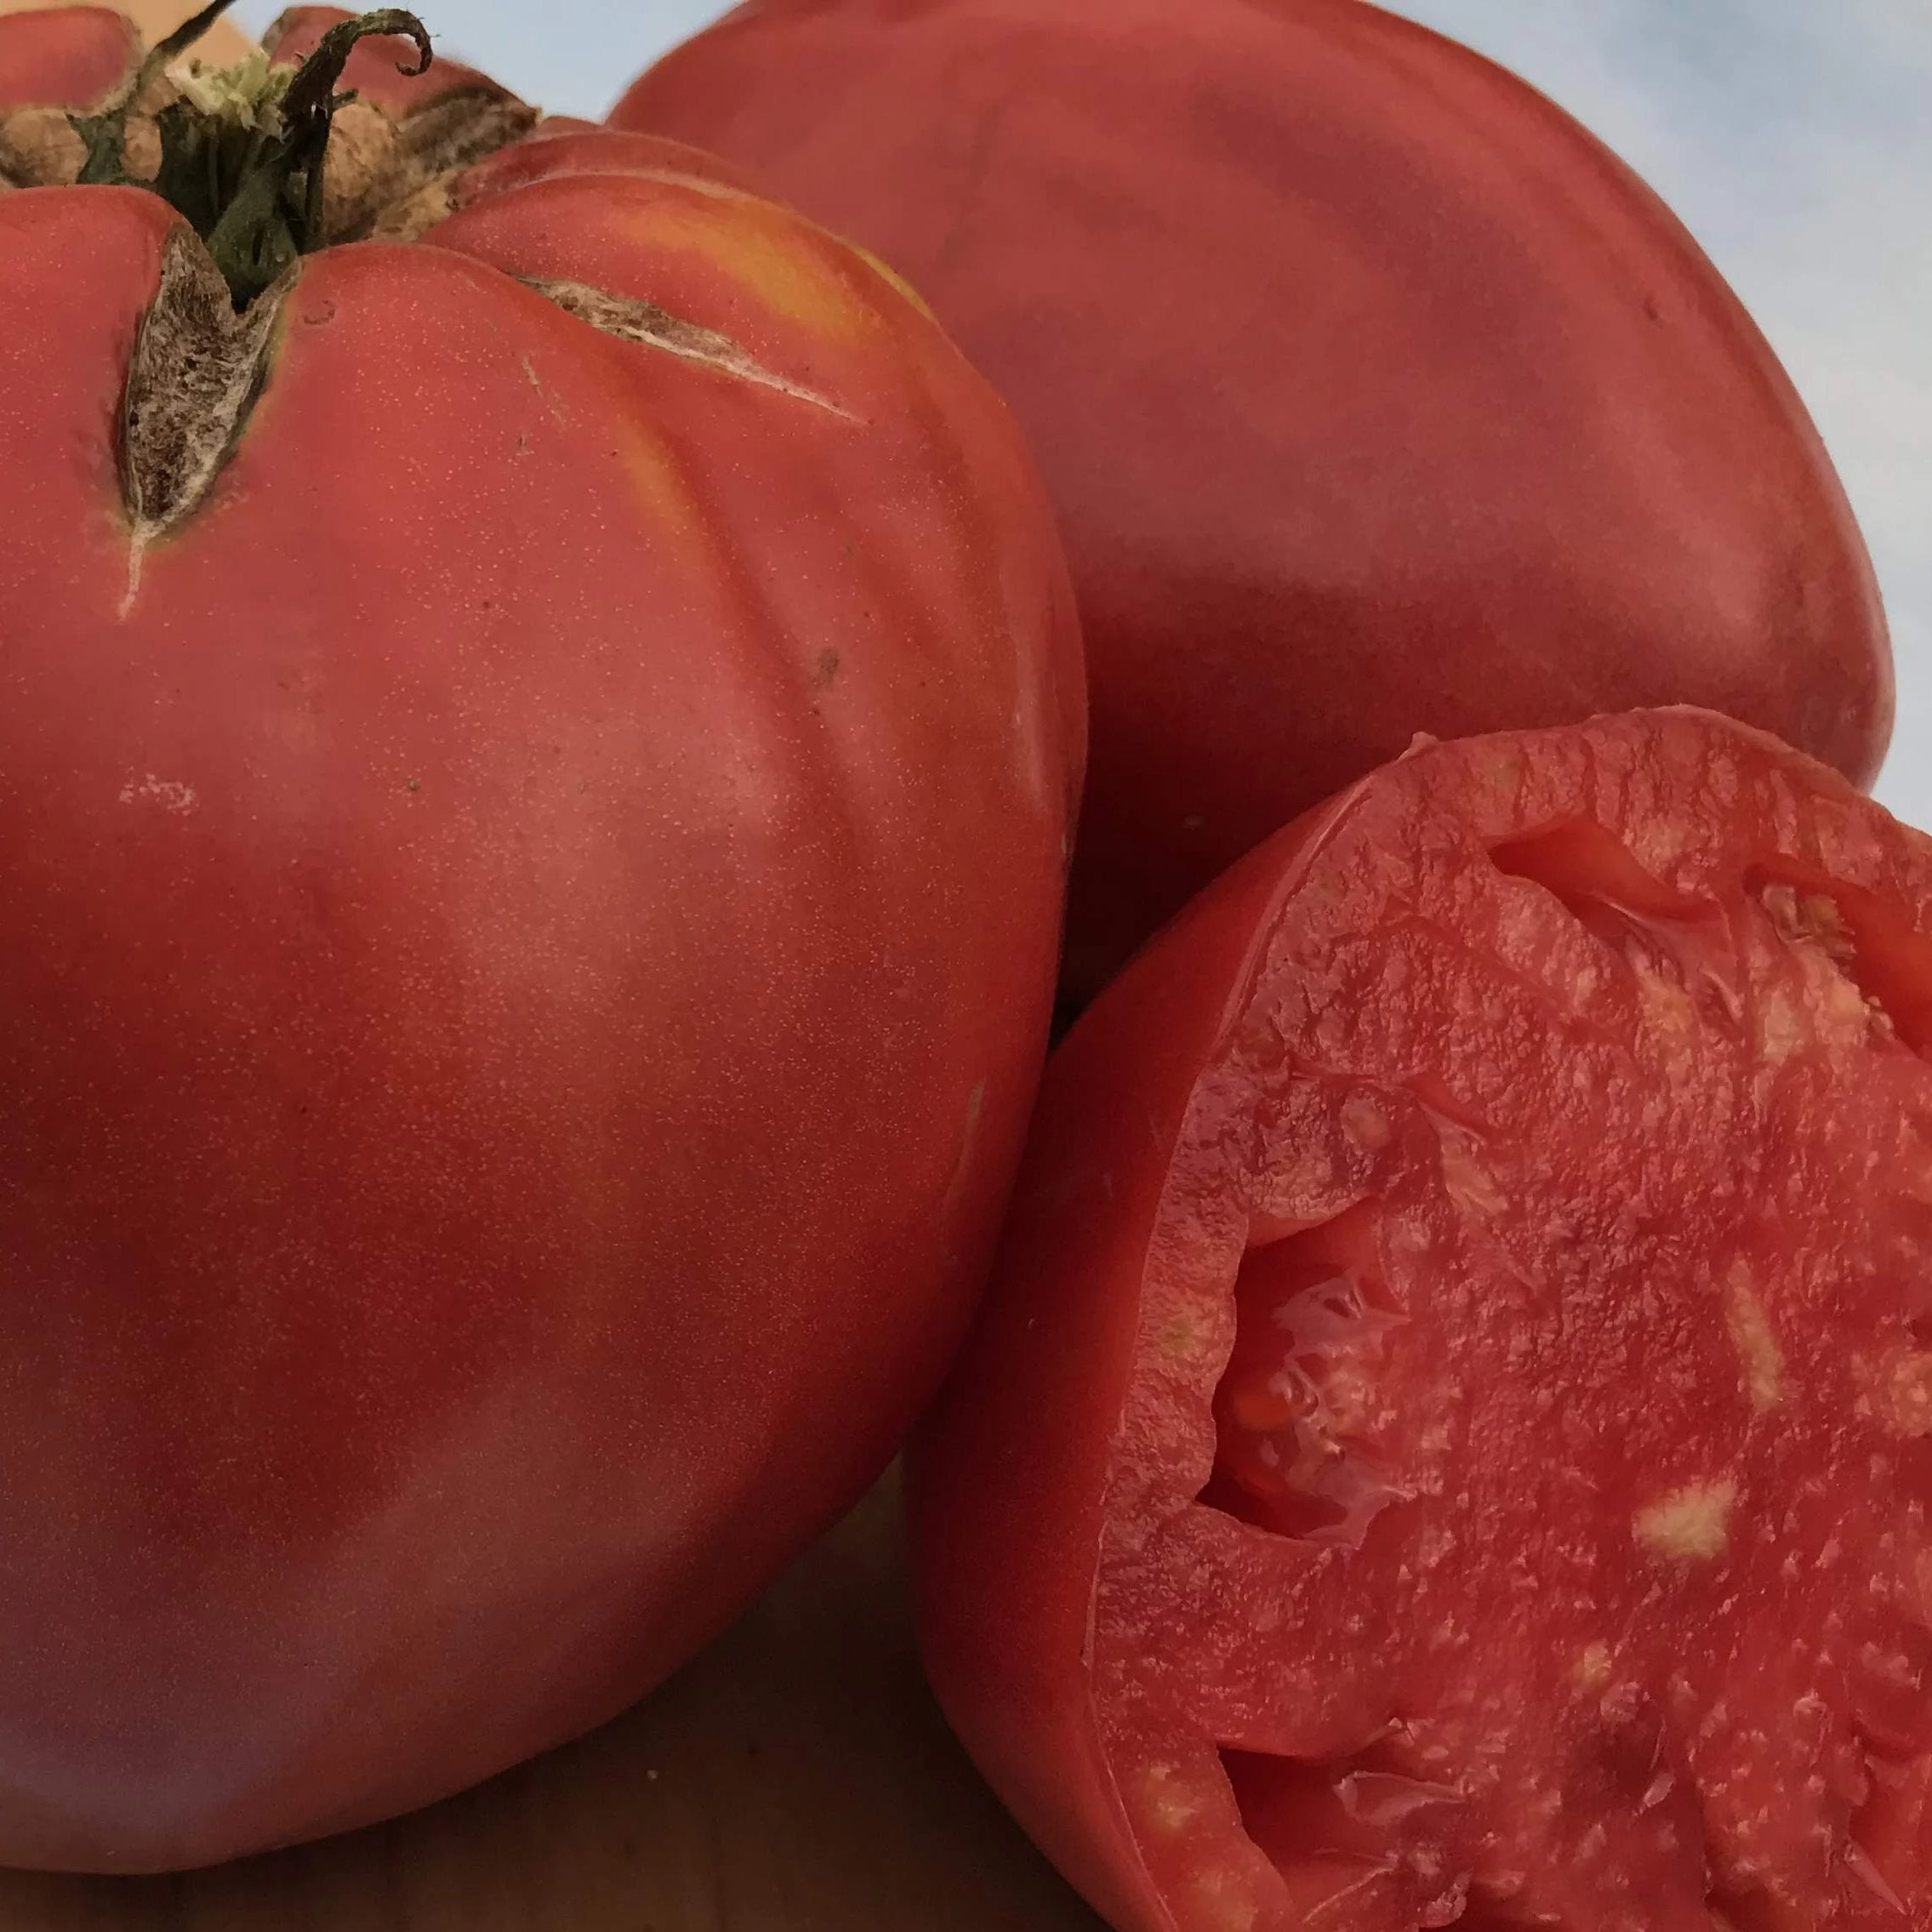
(1623, 1704)
(1466, 1180)
(1183, 1338)
(1900, 1394)
(1224, 1904)
(1780, 1031)
(1365, 1123)
(1594, 1664)
(1751, 1333)
(1669, 1013)
(1691, 1523)
(1167, 1806)
(170, 794)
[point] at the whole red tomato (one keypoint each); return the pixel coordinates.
(1376, 397)
(1450, 1438)
(535, 767)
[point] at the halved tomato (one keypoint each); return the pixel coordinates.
(1452, 1439)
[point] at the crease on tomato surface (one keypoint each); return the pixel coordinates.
(652, 327)
(1515, 1515)
(196, 372)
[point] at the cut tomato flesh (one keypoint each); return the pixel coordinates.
(1520, 1515)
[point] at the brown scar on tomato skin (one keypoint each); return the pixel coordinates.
(443, 193)
(196, 373)
(644, 322)
(198, 368)
(39, 148)
(409, 186)
(385, 179)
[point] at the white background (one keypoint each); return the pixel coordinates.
(1794, 138)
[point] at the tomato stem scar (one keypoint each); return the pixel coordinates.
(245, 163)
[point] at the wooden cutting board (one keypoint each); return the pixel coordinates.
(797, 1778)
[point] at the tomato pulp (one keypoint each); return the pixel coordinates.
(531, 860)
(1452, 1439)
(1374, 395)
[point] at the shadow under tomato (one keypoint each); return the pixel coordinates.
(796, 1777)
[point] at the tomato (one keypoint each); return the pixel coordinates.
(1374, 395)
(93, 53)
(64, 54)
(535, 777)
(1450, 1439)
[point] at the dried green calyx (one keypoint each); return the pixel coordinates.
(242, 150)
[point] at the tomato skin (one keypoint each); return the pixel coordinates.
(1374, 395)
(1008, 1474)
(532, 920)
(1061, 1483)
(64, 54)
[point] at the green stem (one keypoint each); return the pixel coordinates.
(107, 132)
(252, 193)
